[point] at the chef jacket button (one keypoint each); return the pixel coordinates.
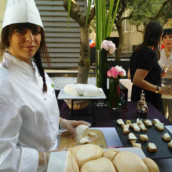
(45, 98)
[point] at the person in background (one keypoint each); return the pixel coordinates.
(166, 64)
(144, 68)
(29, 112)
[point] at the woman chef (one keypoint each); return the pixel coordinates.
(29, 114)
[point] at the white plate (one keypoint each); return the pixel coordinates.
(58, 159)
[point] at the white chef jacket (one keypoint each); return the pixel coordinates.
(166, 61)
(29, 118)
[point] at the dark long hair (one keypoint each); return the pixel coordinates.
(41, 54)
(152, 36)
(167, 32)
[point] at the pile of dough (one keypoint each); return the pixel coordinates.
(82, 132)
(92, 158)
(83, 90)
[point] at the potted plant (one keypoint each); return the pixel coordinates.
(104, 25)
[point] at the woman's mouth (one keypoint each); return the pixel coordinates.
(30, 47)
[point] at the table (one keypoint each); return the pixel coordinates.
(113, 140)
(104, 121)
(62, 96)
(105, 116)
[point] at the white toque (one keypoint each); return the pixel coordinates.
(21, 11)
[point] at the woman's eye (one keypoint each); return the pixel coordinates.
(36, 31)
(21, 31)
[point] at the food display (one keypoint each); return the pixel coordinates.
(149, 135)
(92, 158)
(166, 137)
(152, 147)
(144, 137)
(84, 135)
(83, 90)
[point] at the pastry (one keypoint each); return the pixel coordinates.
(101, 164)
(138, 145)
(155, 121)
(120, 122)
(143, 137)
(128, 122)
(166, 137)
(89, 158)
(170, 144)
(139, 121)
(135, 127)
(151, 165)
(88, 152)
(159, 126)
(152, 147)
(132, 138)
(143, 127)
(126, 129)
(71, 164)
(129, 162)
(110, 154)
(148, 122)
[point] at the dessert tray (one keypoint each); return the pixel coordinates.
(154, 136)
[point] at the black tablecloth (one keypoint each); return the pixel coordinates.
(105, 116)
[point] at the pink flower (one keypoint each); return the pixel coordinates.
(109, 74)
(116, 72)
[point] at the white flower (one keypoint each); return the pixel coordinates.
(108, 46)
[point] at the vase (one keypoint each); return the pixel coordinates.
(101, 69)
(114, 93)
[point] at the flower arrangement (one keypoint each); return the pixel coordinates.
(108, 46)
(116, 72)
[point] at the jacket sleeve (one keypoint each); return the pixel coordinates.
(13, 158)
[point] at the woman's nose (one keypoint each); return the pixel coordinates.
(29, 36)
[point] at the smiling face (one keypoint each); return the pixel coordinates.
(24, 42)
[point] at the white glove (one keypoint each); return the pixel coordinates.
(71, 124)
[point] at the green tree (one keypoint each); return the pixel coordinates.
(139, 12)
(80, 17)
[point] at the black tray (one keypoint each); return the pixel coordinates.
(154, 135)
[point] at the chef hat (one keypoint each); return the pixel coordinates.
(21, 11)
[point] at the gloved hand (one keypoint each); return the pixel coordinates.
(71, 124)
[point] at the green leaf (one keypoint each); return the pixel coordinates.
(69, 6)
(109, 18)
(113, 19)
(88, 10)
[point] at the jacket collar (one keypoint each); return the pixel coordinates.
(9, 61)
